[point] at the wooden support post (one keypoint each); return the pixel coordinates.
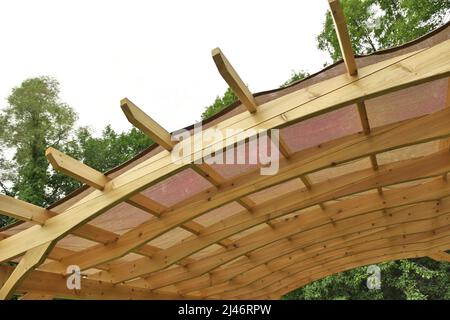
(234, 81)
(29, 261)
(150, 127)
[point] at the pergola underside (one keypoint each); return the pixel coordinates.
(364, 157)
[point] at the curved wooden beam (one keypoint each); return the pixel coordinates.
(341, 186)
(428, 64)
(339, 151)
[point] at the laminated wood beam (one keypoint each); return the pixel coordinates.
(366, 129)
(375, 80)
(31, 213)
(76, 169)
(234, 81)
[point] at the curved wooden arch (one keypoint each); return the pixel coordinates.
(385, 210)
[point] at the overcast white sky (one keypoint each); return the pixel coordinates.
(156, 53)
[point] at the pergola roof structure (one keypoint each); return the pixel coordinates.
(363, 163)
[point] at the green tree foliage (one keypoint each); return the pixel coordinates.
(414, 279)
(381, 24)
(34, 119)
(295, 77)
(229, 97)
(101, 153)
(219, 104)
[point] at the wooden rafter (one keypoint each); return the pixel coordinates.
(329, 266)
(234, 81)
(343, 37)
(146, 124)
(413, 241)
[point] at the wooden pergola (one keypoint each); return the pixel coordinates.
(364, 157)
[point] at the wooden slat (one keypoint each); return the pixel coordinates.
(209, 174)
(32, 258)
(234, 81)
(395, 173)
(24, 211)
(150, 127)
(375, 80)
(92, 177)
(343, 36)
